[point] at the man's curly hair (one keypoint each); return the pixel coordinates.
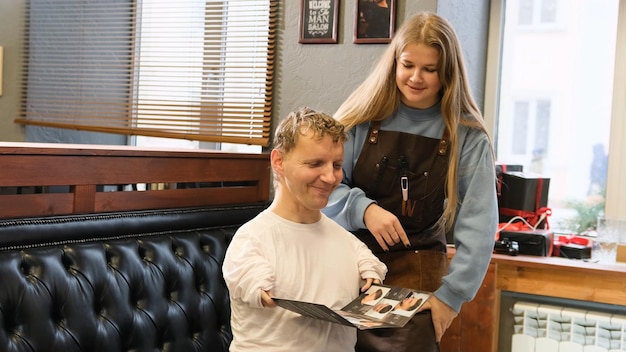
(303, 120)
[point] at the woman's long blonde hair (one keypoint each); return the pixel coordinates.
(378, 96)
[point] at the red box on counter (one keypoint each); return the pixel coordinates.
(572, 246)
(523, 191)
(501, 168)
(504, 167)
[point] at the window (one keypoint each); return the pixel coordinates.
(194, 70)
(557, 95)
(528, 130)
(537, 12)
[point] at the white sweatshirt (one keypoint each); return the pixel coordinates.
(321, 263)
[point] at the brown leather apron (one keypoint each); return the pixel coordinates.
(406, 175)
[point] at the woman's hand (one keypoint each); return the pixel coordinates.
(385, 227)
(442, 315)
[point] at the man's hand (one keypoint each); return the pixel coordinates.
(442, 315)
(384, 226)
(368, 283)
(266, 299)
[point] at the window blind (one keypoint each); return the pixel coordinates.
(189, 69)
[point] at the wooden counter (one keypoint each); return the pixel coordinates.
(476, 327)
(563, 278)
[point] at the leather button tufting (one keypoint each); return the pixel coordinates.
(173, 296)
(112, 258)
(67, 262)
(101, 283)
(25, 267)
(145, 252)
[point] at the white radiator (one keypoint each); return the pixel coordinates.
(547, 328)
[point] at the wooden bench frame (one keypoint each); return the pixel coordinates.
(92, 178)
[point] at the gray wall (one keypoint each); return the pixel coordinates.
(11, 34)
(323, 75)
(316, 75)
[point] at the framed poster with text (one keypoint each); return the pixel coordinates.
(318, 21)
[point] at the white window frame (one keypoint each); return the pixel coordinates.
(615, 206)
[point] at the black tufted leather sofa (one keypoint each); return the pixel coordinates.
(127, 281)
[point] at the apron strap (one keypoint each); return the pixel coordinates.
(444, 142)
(373, 133)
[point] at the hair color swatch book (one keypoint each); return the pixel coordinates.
(381, 306)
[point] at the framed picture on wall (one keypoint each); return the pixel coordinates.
(318, 21)
(374, 21)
